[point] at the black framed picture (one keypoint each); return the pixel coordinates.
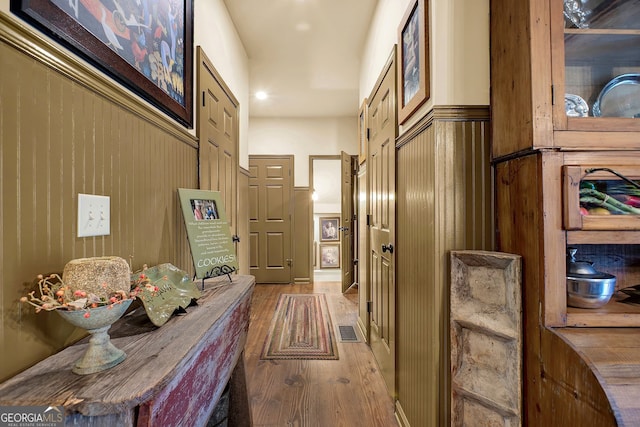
(146, 45)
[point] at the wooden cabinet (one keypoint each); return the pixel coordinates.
(542, 66)
(596, 58)
(582, 47)
(548, 71)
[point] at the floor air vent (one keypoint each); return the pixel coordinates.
(348, 333)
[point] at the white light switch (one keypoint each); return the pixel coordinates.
(94, 215)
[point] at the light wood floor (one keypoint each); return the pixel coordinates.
(325, 393)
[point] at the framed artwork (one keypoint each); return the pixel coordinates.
(413, 59)
(330, 255)
(146, 46)
(362, 131)
(329, 228)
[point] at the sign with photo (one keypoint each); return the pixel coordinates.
(208, 231)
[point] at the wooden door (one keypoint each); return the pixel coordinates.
(364, 284)
(217, 130)
(270, 213)
(382, 121)
(346, 230)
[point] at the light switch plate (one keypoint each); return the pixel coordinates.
(94, 215)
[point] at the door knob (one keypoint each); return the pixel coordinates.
(386, 248)
(343, 228)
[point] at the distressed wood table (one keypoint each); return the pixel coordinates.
(172, 376)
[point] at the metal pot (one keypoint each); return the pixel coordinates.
(587, 287)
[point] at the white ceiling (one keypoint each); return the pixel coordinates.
(304, 53)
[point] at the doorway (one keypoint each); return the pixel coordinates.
(326, 196)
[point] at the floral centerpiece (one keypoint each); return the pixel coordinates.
(56, 295)
(92, 294)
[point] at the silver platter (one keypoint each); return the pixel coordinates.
(619, 98)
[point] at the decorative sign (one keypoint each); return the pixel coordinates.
(208, 232)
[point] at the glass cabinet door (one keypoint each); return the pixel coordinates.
(601, 56)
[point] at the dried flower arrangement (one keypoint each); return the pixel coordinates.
(55, 295)
(89, 283)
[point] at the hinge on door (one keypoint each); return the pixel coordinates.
(553, 95)
(369, 306)
(369, 219)
(368, 129)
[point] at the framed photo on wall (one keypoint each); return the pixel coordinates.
(146, 46)
(362, 131)
(413, 59)
(329, 229)
(330, 255)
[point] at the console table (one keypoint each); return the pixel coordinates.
(172, 376)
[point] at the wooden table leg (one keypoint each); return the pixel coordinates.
(239, 408)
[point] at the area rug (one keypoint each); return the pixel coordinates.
(301, 328)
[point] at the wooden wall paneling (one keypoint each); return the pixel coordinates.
(443, 173)
(303, 232)
(67, 131)
(418, 308)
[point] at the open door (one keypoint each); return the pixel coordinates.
(346, 230)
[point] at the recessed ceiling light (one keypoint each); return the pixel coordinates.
(303, 26)
(261, 95)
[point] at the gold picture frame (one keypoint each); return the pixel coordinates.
(413, 60)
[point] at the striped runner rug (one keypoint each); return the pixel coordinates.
(301, 328)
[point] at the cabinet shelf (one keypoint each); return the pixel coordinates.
(592, 237)
(614, 314)
(607, 47)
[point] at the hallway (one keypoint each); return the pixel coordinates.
(345, 392)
